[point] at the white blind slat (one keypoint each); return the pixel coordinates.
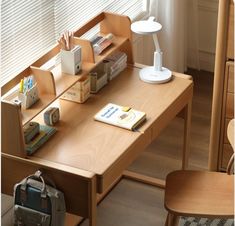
(30, 27)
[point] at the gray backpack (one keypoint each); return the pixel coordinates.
(37, 203)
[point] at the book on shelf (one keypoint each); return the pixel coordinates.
(45, 133)
(124, 117)
(115, 64)
(113, 74)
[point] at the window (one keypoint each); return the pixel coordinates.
(30, 27)
(27, 29)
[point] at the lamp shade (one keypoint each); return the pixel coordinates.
(146, 27)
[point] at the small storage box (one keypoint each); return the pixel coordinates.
(29, 98)
(98, 78)
(80, 92)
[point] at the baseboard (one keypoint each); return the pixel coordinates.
(206, 61)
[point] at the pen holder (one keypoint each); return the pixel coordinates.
(29, 97)
(71, 60)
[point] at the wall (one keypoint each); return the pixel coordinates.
(207, 26)
(207, 22)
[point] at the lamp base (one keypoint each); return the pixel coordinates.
(148, 74)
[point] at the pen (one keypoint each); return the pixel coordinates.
(21, 85)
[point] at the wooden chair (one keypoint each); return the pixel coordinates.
(200, 194)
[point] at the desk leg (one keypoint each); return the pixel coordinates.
(92, 202)
(187, 127)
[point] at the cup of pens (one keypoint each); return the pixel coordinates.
(70, 54)
(28, 93)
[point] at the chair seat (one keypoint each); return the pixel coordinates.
(200, 193)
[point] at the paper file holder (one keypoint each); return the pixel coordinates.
(29, 97)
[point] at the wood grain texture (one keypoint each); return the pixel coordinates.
(131, 203)
(230, 45)
(219, 78)
(144, 179)
(230, 66)
(165, 153)
(98, 147)
(118, 25)
(227, 112)
(187, 136)
(229, 106)
(107, 21)
(45, 81)
(195, 193)
(87, 49)
(12, 136)
(74, 186)
(117, 44)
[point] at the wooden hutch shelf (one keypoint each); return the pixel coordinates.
(53, 83)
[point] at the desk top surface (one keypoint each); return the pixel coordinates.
(86, 144)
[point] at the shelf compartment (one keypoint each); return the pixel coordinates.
(117, 42)
(52, 83)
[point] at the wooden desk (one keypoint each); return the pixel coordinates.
(101, 150)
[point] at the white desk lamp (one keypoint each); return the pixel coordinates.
(156, 73)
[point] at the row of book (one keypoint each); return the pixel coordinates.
(107, 70)
(115, 64)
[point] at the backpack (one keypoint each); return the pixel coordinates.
(37, 203)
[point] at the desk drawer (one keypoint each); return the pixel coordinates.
(227, 153)
(230, 44)
(230, 105)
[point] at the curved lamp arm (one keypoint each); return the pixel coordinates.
(156, 43)
(155, 73)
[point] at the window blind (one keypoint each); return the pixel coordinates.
(71, 14)
(27, 31)
(31, 27)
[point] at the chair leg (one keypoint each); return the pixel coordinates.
(167, 220)
(172, 220)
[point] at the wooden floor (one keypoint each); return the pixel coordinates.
(134, 204)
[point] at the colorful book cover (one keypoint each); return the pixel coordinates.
(120, 116)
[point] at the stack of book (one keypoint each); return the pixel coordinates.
(115, 64)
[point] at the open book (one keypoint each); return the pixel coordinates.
(120, 116)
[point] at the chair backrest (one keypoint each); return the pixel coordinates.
(230, 134)
(230, 167)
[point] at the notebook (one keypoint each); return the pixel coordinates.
(124, 117)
